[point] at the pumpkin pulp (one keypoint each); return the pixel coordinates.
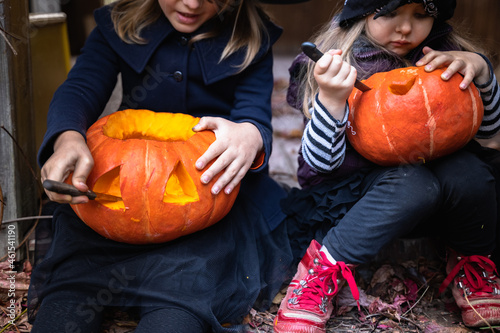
(180, 188)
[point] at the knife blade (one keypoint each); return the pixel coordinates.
(63, 188)
(312, 52)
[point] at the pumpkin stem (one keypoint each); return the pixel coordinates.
(402, 88)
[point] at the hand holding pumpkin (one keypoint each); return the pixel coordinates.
(71, 154)
(234, 150)
(471, 65)
(147, 160)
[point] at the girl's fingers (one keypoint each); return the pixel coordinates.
(214, 152)
(323, 64)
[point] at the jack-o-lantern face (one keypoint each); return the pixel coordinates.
(412, 116)
(148, 160)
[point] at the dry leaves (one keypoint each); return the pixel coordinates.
(397, 298)
(14, 284)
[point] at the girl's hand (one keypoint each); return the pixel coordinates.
(471, 65)
(71, 154)
(335, 79)
(234, 151)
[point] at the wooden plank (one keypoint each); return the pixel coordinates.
(45, 6)
(16, 160)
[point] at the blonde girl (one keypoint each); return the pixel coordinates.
(352, 207)
(207, 58)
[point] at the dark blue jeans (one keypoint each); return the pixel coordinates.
(453, 197)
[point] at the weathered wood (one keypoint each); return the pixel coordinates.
(45, 6)
(17, 155)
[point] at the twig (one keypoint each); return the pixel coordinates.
(487, 323)
(28, 218)
(4, 35)
(33, 173)
(9, 324)
(39, 187)
(418, 300)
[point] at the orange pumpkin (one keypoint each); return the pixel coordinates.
(412, 116)
(148, 160)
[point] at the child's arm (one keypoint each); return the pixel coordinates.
(246, 134)
(323, 142)
(235, 149)
(71, 154)
(490, 95)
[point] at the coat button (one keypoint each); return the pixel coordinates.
(178, 76)
(184, 41)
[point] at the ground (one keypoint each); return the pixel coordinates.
(395, 297)
(398, 292)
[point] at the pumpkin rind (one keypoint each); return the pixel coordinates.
(141, 166)
(412, 116)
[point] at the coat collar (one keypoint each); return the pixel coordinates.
(208, 50)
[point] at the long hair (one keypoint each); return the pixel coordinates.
(246, 17)
(333, 36)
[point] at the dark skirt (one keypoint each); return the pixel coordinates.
(312, 212)
(217, 274)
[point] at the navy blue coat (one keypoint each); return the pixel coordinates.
(169, 75)
(164, 75)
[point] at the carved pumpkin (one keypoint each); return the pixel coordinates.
(412, 116)
(148, 160)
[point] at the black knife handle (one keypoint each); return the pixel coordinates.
(311, 51)
(63, 188)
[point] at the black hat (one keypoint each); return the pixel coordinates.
(441, 10)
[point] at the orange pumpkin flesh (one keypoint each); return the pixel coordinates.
(412, 116)
(147, 159)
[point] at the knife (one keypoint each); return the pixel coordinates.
(312, 52)
(63, 188)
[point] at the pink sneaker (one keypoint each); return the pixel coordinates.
(476, 289)
(307, 305)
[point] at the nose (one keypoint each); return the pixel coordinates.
(404, 26)
(193, 4)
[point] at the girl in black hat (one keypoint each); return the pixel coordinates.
(352, 207)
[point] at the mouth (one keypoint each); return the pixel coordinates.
(187, 18)
(400, 43)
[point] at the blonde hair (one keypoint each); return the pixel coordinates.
(247, 18)
(332, 36)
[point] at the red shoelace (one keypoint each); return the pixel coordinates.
(319, 286)
(473, 266)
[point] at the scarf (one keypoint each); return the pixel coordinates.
(371, 59)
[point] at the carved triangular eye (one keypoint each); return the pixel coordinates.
(180, 188)
(109, 183)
